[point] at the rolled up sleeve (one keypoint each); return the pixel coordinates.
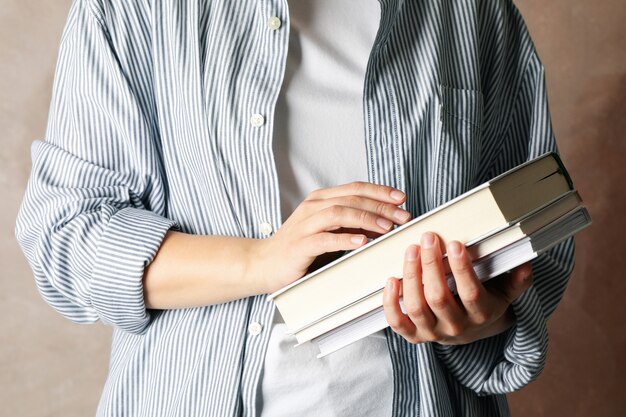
(94, 212)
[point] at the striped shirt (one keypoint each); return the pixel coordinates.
(162, 118)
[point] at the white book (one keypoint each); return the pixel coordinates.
(480, 212)
(488, 267)
(374, 299)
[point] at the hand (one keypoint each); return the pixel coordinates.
(434, 314)
(328, 220)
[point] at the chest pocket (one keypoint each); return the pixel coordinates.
(456, 136)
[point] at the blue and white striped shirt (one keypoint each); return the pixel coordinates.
(150, 129)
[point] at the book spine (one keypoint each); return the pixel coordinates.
(562, 169)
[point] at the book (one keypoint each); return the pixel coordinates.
(480, 249)
(470, 217)
(492, 265)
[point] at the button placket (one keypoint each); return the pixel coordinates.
(275, 25)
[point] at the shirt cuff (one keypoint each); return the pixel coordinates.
(128, 244)
(506, 362)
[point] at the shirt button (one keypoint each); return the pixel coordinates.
(274, 23)
(266, 229)
(255, 328)
(257, 120)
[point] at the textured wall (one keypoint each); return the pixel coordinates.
(50, 367)
(582, 45)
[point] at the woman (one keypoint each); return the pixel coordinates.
(154, 203)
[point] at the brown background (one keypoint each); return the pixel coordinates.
(52, 367)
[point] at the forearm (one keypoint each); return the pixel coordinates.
(192, 270)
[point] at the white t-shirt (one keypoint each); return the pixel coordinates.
(319, 136)
(319, 142)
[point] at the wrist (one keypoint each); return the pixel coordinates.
(255, 274)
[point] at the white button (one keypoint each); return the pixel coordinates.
(274, 23)
(266, 229)
(255, 328)
(257, 120)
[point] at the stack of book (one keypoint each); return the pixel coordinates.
(504, 223)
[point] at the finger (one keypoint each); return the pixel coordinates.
(413, 294)
(381, 208)
(441, 301)
(396, 319)
(331, 242)
(470, 289)
(362, 188)
(335, 217)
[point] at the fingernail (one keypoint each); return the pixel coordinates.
(411, 253)
(428, 239)
(454, 248)
(397, 195)
(357, 240)
(402, 215)
(384, 223)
